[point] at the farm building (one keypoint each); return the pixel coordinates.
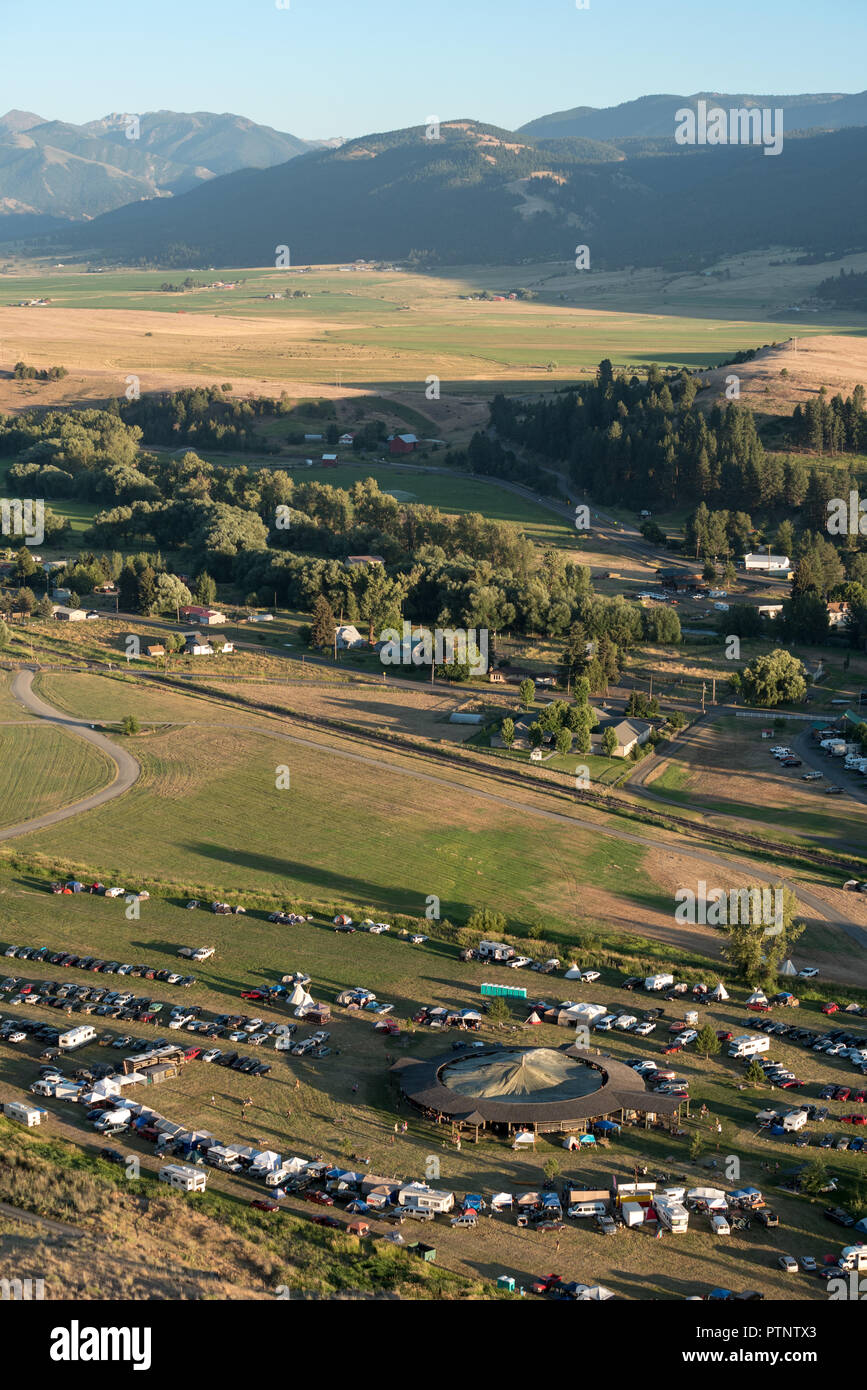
(68, 615)
(402, 443)
(156, 649)
(679, 579)
(769, 563)
(206, 617)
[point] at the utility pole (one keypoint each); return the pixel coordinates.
(713, 692)
(651, 685)
(703, 693)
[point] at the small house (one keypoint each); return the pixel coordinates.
(68, 615)
(838, 614)
(155, 649)
(629, 734)
(354, 561)
(773, 564)
(197, 645)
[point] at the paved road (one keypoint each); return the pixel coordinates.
(127, 768)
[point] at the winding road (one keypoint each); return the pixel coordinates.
(127, 768)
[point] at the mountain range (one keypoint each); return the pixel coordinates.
(652, 117)
(80, 171)
(204, 190)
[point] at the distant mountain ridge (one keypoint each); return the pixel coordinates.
(652, 117)
(480, 195)
(81, 171)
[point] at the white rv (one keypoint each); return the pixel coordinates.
(495, 950)
(658, 982)
(76, 1037)
(672, 1215)
(749, 1045)
(182, 1176)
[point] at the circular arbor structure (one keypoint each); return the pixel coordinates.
(544, 1089)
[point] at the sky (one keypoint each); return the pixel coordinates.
(324, 68)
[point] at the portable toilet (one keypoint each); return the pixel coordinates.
(505, 1281)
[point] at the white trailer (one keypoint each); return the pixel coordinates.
(853, 1257)
(672, 1215)
(632, 1213)
(28, 1115)
(76, 1037)
(184, 1177)
(658, 982)
(749, 1045)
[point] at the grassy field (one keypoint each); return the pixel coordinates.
(368, 329)
(42, 767)
(207, 810)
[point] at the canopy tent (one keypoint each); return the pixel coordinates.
(521, 1075)
(268, 1161)
(501, 1201)
(606, 1126)
(524, 1139)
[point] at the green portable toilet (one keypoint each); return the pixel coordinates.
(505, 1281)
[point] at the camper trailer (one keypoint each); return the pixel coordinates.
(76, 1037)
(185, 1178)
(27, 1115)
(672, 1215)
(748, 1045)
(658, 982)
(495, 950)
(853, 1257)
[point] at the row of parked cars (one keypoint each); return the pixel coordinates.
(127, 1008)
(842, 1043)
(660, 1079)
(103, 967)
